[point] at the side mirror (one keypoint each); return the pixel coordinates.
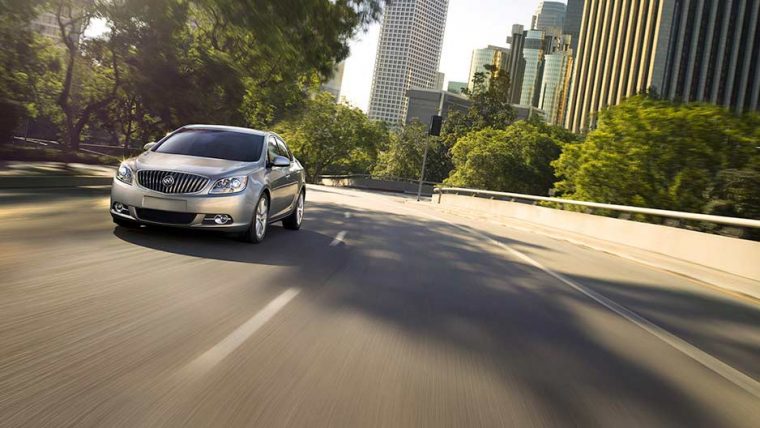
(149, 146)
(281, 161)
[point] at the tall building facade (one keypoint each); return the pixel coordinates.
(713, 54)
(556, 81)
(686, 50)
(533, 56)
(495, 56)
(572, 26)
(516, 63)
(549, 18)
(408, 54)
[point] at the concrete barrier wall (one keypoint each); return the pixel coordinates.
(735, 256)
(376, 184)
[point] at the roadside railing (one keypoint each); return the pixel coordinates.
(115, 152)
(377, 177)
(678, 215)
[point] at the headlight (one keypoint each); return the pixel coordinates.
(229, 185)
(124, 174)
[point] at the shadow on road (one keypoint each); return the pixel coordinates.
(441, 285)
(280, 247)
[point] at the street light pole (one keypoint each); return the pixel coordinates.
(424, 162)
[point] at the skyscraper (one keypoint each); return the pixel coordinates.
(533, 54)
(549, 18)
(491, 55)
(688, 50)
(516, 64)
(408, 54)
(572, 26)
(556, 81)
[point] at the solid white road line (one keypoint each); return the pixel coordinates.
(338, 239)
(222, 349)
(729, 373)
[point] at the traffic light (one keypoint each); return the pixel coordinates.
(435, 125)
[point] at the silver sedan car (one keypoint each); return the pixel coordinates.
(212, 177)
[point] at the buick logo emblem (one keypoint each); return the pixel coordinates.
(168, 181)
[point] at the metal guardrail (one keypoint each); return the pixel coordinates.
(374, 177)
(730, 221)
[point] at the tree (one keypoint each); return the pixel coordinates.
(490, 108)
(659, 154)
(403, 156)
(27, 64)
(333, 138)
(516, 159)
(166, 63)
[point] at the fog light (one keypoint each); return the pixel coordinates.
(119, 207)
(222, 219)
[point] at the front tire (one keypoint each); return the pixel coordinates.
(294, 220)
(259, 223)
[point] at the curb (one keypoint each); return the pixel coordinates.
(47, 181)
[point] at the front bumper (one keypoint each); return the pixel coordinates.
(239, 206)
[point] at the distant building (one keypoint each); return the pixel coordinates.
(425, 103)
(516, 64)
(408, 55)
(456, 87)
(46, 23)
(533, 55)
(440, 79)
(556, 81)
(549, 18)
(572, 27)
(333, 85)
(495, 56)
(704, 50)
(526, 112)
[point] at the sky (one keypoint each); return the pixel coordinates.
(471, 24)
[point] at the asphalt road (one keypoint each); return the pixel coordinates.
(379, 312)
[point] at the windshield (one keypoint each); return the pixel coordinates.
(211, 143)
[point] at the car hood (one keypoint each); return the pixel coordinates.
(208, 167)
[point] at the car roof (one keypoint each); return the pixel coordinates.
(227, 128)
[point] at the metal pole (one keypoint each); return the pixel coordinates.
(422, 175)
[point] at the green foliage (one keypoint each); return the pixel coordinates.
(166, 63)
(330, 138)
(516, 159)
(403, 156)
(490, 108)
(26, 64)
(651, 153)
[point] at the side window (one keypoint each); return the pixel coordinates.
(284, 149)
(272, 149)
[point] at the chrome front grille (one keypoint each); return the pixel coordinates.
(171, 181)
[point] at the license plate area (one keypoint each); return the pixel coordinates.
(164, 204)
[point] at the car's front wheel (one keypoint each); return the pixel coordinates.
(293, 221)
(259, 223)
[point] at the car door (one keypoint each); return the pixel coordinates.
(279, 185)
(293, 177)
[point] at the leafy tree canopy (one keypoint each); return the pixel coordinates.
(330, 138)
(658, 154)
(516, 159)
